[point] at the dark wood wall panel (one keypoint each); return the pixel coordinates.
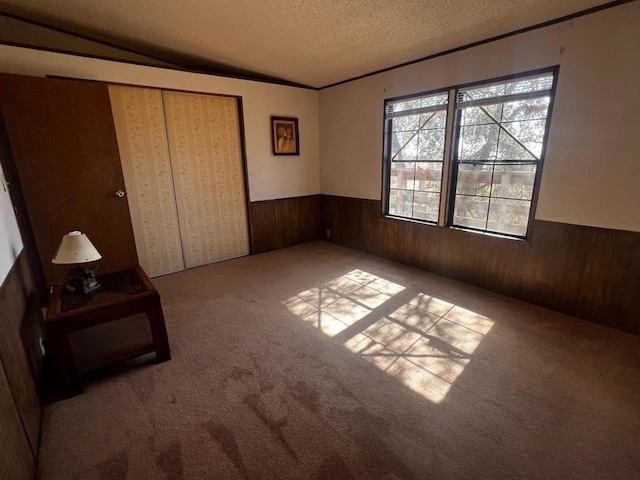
(21, 326)
(16, 459)
(284, 222)
(592, 273)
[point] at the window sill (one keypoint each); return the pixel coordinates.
(410, 220)
(490, 234)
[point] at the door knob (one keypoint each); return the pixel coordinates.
(119, 194)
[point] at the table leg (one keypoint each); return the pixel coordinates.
(59, 346)
(158, 329)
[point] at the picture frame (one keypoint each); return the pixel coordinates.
(285, 139)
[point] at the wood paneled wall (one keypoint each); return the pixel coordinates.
(284, 222)
(588, 272)
(16, 459)
(21, 326)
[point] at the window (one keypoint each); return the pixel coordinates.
(416, 156)
(469, 157)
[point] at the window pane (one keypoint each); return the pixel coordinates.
(474, 179)
(514, 181)
(428, 176)
(404, 146)
(530, 84)
(426, 206)
(510, 149)
(406, 105)
(440, 99)
(433, 119)
(400, 202)
(485, 92)
(427, 101)
(402, 124)
(402, 175)
(479, 142)
(532, 109)
(509, 216)
(536, 83)
(431, 145)
(481, 115)
(471, 211)
(529, 133)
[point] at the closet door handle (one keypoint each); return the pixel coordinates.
(120, 194)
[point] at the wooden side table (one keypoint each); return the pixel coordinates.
(122, 294)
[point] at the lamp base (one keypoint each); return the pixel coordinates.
(82, 280)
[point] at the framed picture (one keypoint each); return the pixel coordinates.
(284, 136)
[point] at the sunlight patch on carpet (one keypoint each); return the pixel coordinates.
(424, 341)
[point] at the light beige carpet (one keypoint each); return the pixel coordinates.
(320, 362)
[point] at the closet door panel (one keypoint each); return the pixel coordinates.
(141, 130)
(206, 158)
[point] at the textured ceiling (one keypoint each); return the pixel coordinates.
(314, 43)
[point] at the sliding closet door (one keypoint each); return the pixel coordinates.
(206, 158)
(138, 115)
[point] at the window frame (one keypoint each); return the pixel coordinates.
(387, 148)
(451, 145)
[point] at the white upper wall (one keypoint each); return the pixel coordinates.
(270, 177)
(591, 174)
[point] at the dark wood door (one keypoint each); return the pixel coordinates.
(66, 156)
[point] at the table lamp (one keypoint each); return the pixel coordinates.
(76, 248)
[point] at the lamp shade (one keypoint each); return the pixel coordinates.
(75, 247)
